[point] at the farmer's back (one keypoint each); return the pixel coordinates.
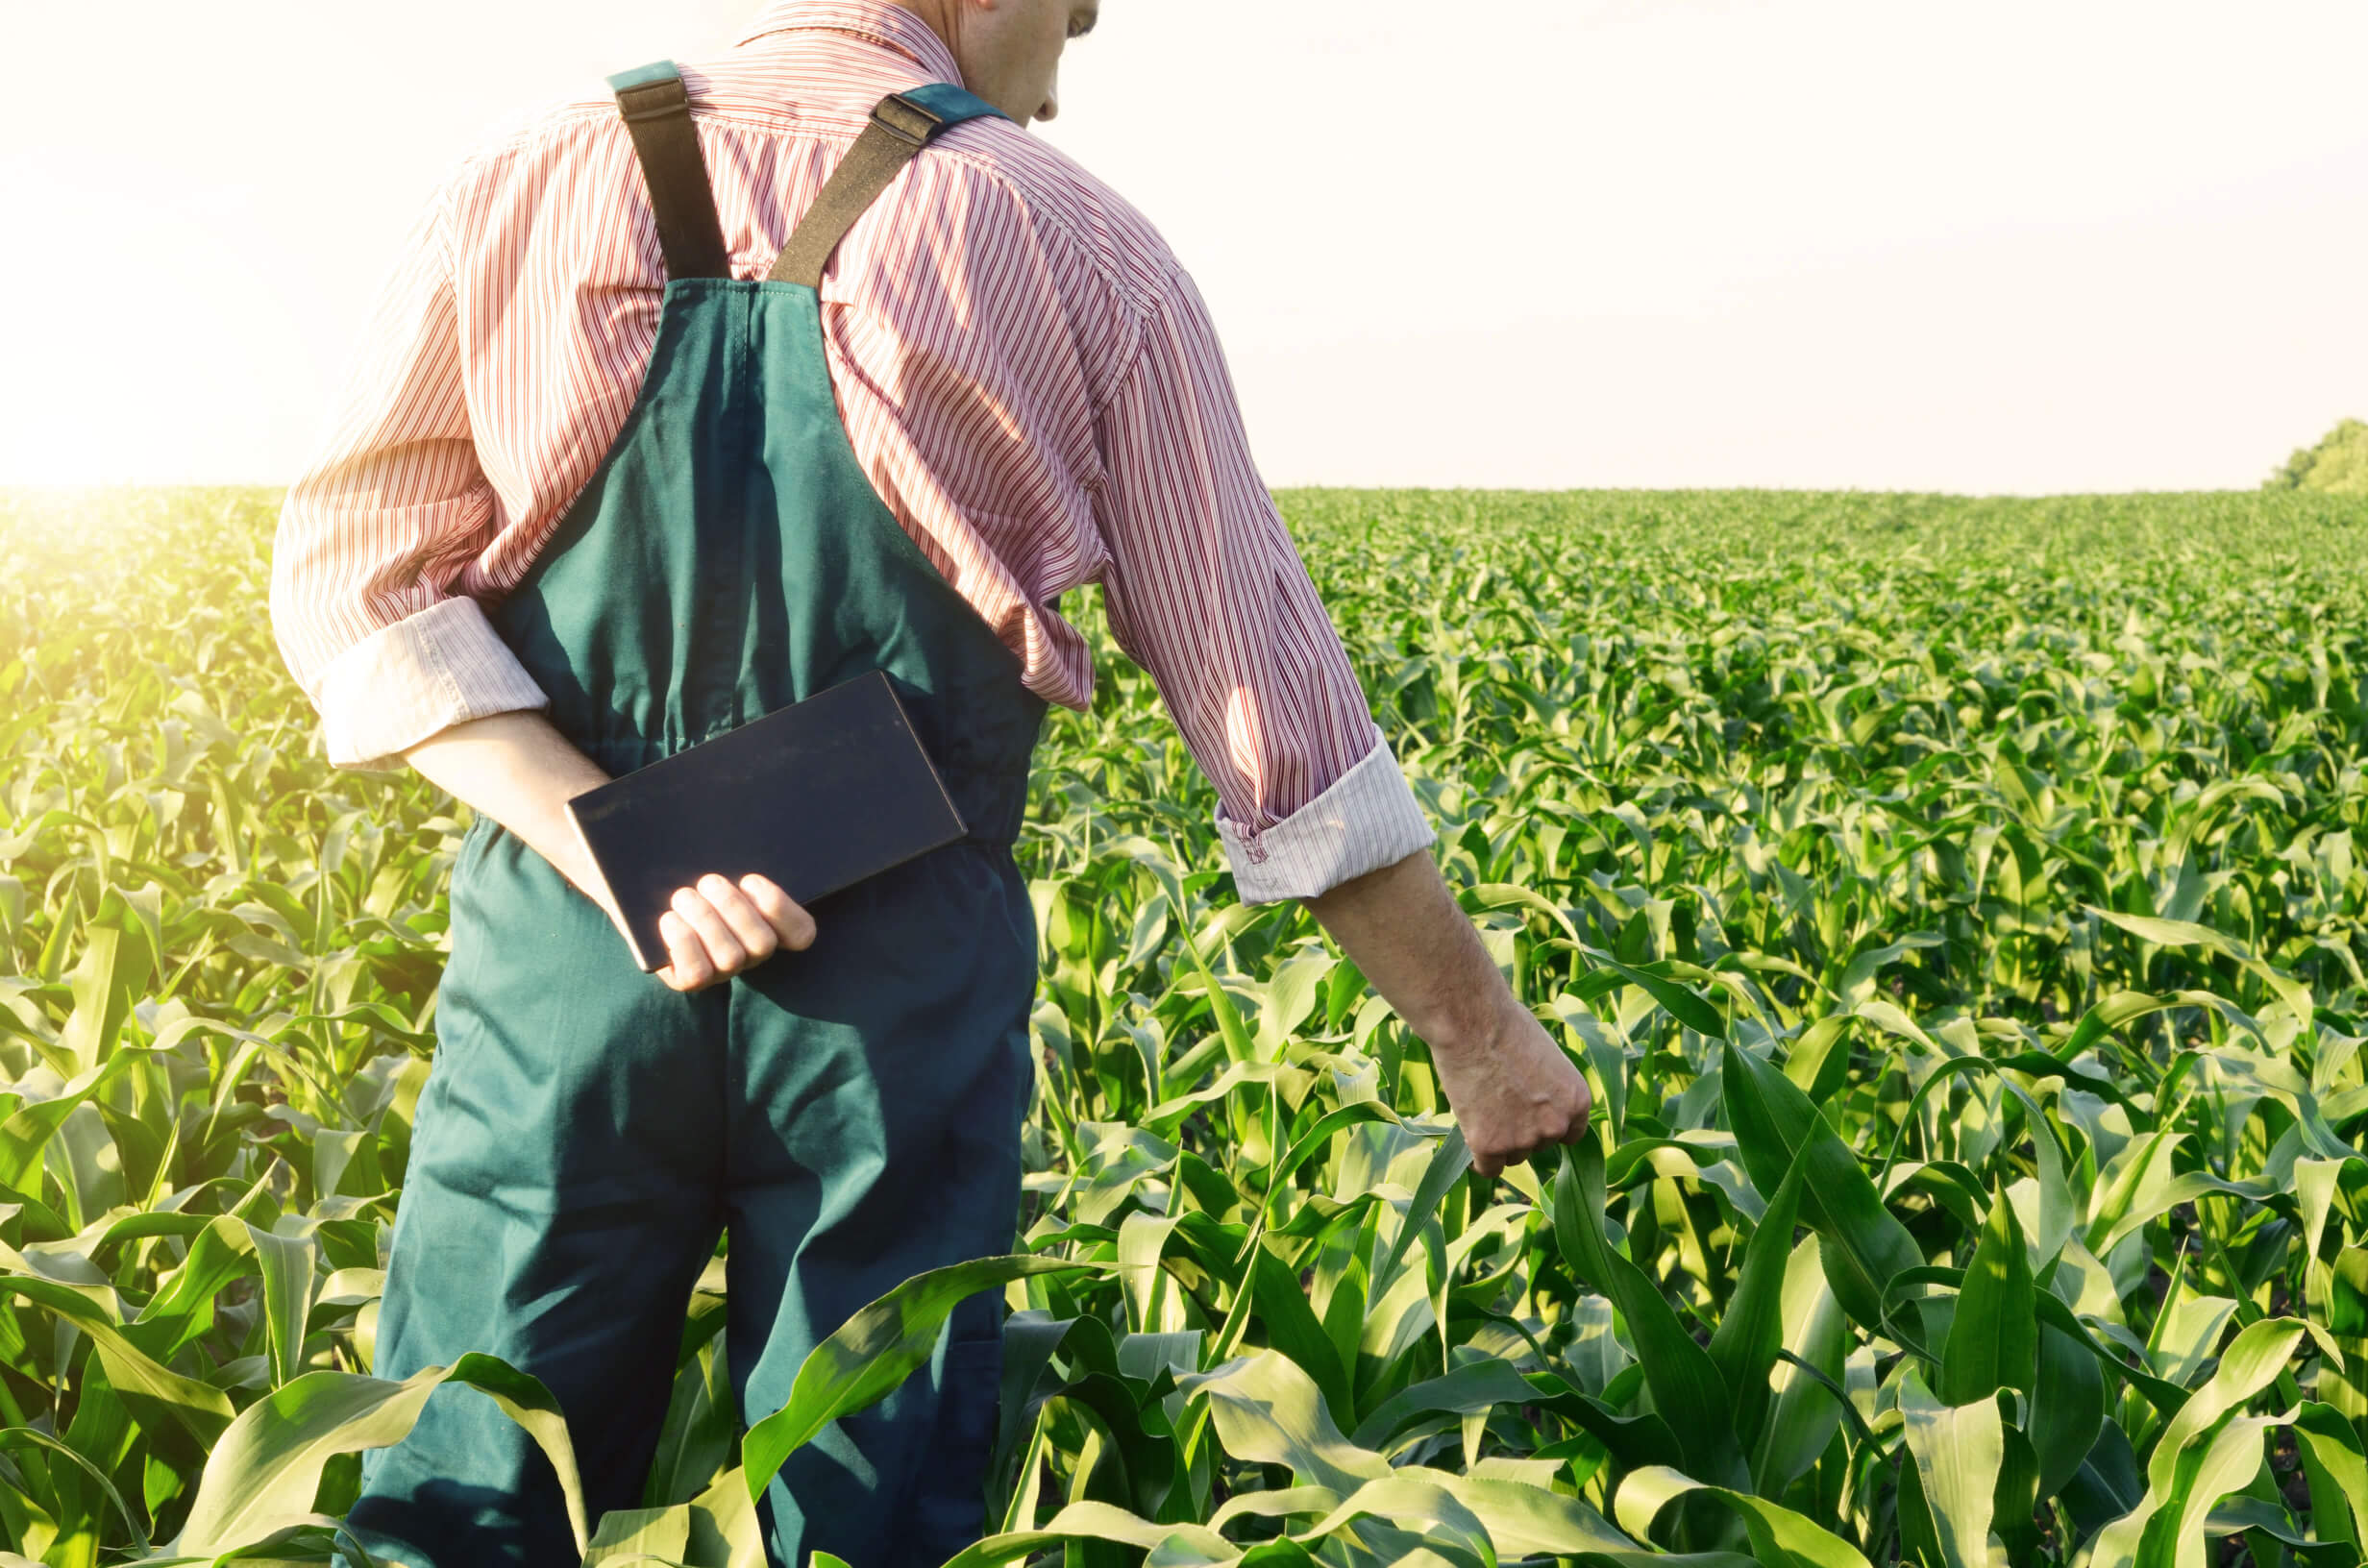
(888, 419)
(1028, 379)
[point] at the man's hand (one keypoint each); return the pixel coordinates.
(1514, 1092)
(718, 929)
(519, 770)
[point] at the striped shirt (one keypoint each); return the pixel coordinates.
(1027, 374)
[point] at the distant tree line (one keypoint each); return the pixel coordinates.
(2338, 464)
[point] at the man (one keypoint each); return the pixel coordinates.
(656, 434)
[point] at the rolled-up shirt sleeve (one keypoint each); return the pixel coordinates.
(373, 536)
(1206, 591)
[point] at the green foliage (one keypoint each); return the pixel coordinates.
(1956, 905)
(2337, 465)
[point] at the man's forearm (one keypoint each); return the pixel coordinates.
(517, 768)
(1513, 1089)
(1405, 932)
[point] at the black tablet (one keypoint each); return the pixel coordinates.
(815, 796)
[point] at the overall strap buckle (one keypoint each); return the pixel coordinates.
(907, 120)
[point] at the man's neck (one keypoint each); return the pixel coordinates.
(938, 15)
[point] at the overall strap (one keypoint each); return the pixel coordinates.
(657, 113)
(901, 125)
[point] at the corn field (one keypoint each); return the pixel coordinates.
(1954, 905)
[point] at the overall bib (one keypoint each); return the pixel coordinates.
(850, 1113)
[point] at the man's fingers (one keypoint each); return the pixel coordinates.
(787, 916)
(723, 948)
(1490, 1157)
(758, 939)
(718, 928)
(690, 967)
(1584, 1116)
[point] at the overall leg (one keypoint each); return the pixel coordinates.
(885, 1074)
(562, 1198)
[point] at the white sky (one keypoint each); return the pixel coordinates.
(2012, 245)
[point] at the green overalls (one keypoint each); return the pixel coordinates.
(851, 1113)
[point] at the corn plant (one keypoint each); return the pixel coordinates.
(1953, 903)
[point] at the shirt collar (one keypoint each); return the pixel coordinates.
(878, 20)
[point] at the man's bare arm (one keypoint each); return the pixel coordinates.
(517, 768)
(1513, 1088)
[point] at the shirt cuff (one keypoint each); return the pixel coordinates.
(426, 673)
(1369, 819)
